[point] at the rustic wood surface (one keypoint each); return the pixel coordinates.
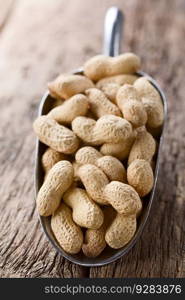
(38, 40)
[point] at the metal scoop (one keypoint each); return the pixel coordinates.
(112, 38)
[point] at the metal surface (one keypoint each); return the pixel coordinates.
(113, 32)
(108, 255)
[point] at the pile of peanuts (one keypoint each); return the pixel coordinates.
(101, 136)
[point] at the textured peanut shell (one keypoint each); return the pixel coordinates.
(50, 158)
(67, 233)
(110, 90)
(140, 176)
(111, 166)
(83, 127)
(100, 105)
(125, 93)
(56, 136)
(65, 86)
(155, 112)
(86, 213)
(116, 79)
(121, 231)
(119, 150)
(76, 166)
(107, 129)
(101, 66)
(123, 198)
(146, 90)
(87, 155)
(58, 180)
(131, 106)
(94, 181)
(144, 147)
(94, 242)
(75, 106)
(134, 112)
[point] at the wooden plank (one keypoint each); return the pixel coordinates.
(41, 39)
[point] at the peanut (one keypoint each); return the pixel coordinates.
(101, 66)
(140, 176)
(94, 242)
(100, 105)
(65, 86)
(107, 129)
(119, 150)
(58, 180)
(146, 90)
(110, 90)
(94, 181)
(76, 167)
(121, 231)
(117, 79)
(67, 233)
(144, 147)
(122, 197)
(75, 106)
(154, 111)
(131, 106)
(151, 101)
(50, 158)
(85, 212)
(56, 136)
(111, 166)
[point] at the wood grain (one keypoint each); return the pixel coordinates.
(40, 39)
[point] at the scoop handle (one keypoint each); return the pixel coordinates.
(113, 26)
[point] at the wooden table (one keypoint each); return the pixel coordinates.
(38, 40)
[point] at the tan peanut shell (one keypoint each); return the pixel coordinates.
(123, 198)
(117, 79)
(73, 107)
(65, 86)
(58, 180)
(111, 166)
(94, 181)
(107, 129)
(125, 93)
(76, 166)
(86, 213)
(154, 111)
(101, 66)
(131, 106)
(146, 90)
(140, 176)
(87, 155)
(100, 105)
(56, 136)
(67, 233)
(144, 147)
(110, 90)
(151, 101)
(119, 150)
(121, 231)
(50, 158)
(94, 242)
